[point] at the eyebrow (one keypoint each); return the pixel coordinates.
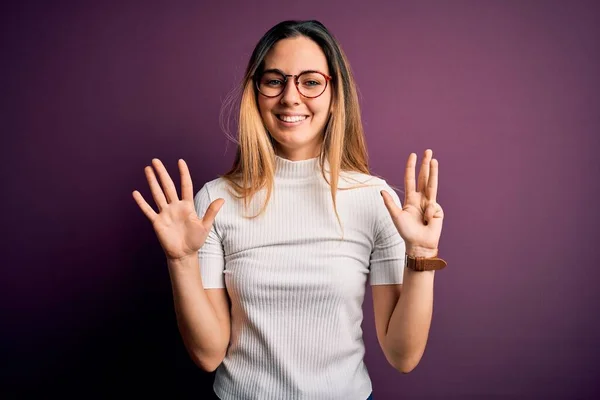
(282, 73)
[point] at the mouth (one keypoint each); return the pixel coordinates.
(291, 119)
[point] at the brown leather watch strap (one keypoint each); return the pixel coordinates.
(424, 263)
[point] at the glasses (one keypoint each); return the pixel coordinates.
(310, 84)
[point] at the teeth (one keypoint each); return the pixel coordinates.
(292, 119)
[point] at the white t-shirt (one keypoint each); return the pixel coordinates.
(296, 287)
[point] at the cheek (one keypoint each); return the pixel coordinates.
(327, 102)
(322, 108)
(265, 105)
(261, 106)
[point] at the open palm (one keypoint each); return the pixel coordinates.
(419, 221)
(180, 231)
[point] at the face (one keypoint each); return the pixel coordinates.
(299, 137)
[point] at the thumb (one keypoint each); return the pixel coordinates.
(389, 203)
(433, 210)
(211, 212)
(429, 212)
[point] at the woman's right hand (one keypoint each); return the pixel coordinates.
(180, 232)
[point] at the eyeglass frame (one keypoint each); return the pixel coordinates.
(296, 82)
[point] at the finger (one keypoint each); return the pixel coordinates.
(424, 171)
(165, 180)
(146, 209)
(391, 206)
(432, 184)
(409, 176)
(433, 211)
(187, 192)
(155, 189)
(429, 213)
(211, 212)
(439, 212)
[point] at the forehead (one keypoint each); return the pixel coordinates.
(297, 54)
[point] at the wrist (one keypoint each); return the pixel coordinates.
(181, 262)
(418, 251)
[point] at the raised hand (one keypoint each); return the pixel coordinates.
(180, 232)
(419, 222)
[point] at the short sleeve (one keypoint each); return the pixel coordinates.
(211, 255)
(387, 256)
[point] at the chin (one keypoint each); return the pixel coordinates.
(291, 138)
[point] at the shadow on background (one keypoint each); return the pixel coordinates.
(118, 336)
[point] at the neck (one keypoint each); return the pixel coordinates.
(299, 154)
(300, 169)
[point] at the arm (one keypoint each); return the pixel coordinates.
(419, 222)
(403, 316)
(182, 226)
(202, 314)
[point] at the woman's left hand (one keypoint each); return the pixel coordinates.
(419, 222)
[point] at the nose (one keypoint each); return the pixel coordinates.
(290, 95)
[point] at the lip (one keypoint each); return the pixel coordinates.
(292, 114)
(290, 124)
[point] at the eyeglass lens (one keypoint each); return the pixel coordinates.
(310, 84)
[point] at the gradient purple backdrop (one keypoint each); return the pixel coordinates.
(504, 92)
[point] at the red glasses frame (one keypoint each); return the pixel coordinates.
(296, 82)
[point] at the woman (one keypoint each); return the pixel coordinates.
(268, 262)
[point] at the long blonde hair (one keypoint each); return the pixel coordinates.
(343, 144)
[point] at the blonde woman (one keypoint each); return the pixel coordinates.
(269, 262)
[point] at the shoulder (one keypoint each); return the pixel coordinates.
(366, 183)
(215, 186)
(212, 190)
(355, 177)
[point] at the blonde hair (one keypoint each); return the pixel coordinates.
(343, 144)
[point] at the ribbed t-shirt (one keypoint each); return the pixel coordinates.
(296, 286)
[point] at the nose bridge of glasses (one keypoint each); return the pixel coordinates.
(294, 80)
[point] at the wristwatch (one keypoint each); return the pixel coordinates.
(424, 263)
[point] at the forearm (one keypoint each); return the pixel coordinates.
(196, 318)
(409, 325)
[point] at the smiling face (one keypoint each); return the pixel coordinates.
(296, 123)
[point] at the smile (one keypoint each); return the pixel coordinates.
(291, 119)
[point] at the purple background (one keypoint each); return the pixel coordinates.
(504, 92)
